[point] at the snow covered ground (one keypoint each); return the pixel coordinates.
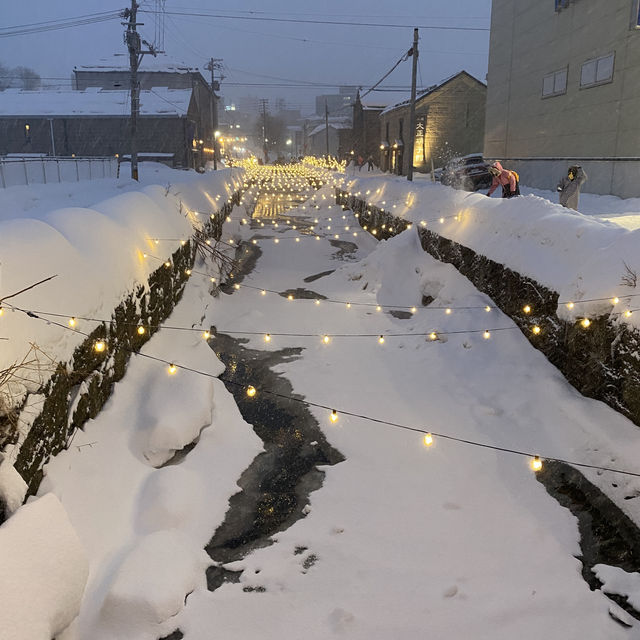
(402, 540)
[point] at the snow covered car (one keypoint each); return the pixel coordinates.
(468, 172)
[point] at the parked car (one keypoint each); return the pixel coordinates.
(469, 173)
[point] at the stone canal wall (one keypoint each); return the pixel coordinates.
(601, 361)
(79, 387)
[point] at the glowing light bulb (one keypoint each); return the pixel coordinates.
(267, 337)
(381, 339)
(141, 330)
(188, 272)
(172, 369)
(615, 300)
(100, 346)
(183, 242)
(326, 339)
(206, 335)
(427, 440)
(413, 309)
(72, 322)
(375, 232)
(441, 220)
(317, 301)
(297, 239)
(212, 279)
(433, 335)
(289, 297)
(526, 308)
(378, 308)
(536, 463)
(570, 305)
(487, 308)
(236, 286)
(348, 305)
(167, 264)
(448, 311)
(585, 322)
(334, 416)
(536, 329)
(486, 335)
(251, 391)
(627, 313)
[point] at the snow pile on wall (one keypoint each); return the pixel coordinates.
(97, 254)
(12, 489)
(44, 572)
(581, 257)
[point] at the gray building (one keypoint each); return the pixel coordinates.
(564, 88)
(96, 122)
(449, 122)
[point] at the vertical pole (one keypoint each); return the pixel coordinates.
(4, 183)
(44, 171)
(412, 108)
(326, 126)
(133, 44)
(53, 140)
(214, 116)
(264, 131)
(26, 174)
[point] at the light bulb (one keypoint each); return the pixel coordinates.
(289, 297)
(172, 369)
(267, 337)
(413, 309)
(236, 286)
(585, 322)
(536, 329)
(378, 308)
(213, 279)
(326, 339)
(428, 439)
(72, 322)
(381, 339)
(317, 301)
(334, 416)
(100, 346)
(251, 391)
(188, 272)
(526, 308)
(206, 335)
(167, 264)
(141, 330)
(486, 335)
(348, 305)
(447, 311)
(487, 308)
(536, 463)
(441, 220)
(570, 305)
(627, 313)
(433, 335)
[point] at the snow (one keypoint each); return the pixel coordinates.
(401, 541)
(160, 101)
(582, 257)
(44, 571)
(95, 247)
(12, 487)
(620, 582)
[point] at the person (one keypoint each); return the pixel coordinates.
(370, 163)
(509, 180)
(360, 163)
(569, 187)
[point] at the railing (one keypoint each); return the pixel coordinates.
(15, 171)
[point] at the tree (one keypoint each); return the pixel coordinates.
(18, 77)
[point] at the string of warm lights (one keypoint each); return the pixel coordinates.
(429, 437)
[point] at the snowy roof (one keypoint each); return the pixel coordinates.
(158, 101)
(381, 99)
(120, 62)
(425, 92)
(332, 125)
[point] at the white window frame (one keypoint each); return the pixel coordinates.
(555, 76)
(597, 62)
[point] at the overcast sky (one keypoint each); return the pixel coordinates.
(256, 51)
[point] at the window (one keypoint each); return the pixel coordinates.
(554, 84)
(562, 4)
(597, 71)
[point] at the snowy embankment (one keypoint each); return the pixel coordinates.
(581, 257)
(96, 253)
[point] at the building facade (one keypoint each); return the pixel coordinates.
(449, 123)
(564, 88)
(96, 123)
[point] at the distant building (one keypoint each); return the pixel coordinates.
(339, 140)
(96, 122)
(449, 122)
(563, 88)
(338, 104)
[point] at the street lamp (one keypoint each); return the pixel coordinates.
(289, 141)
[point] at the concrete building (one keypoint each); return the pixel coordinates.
(338, 104)
(449, 122)
(95, 122)
(564, 88)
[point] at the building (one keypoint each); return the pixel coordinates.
(340, 136)
(338, 104)
(564, 88)
(449, 122)
(96, 122)
(366, 121)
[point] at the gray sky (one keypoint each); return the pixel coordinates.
(254, 50)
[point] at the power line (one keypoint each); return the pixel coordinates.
(329, 22)
(54, 25)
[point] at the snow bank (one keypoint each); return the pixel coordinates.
(581, 257)
(96, 253)
(619, 582)
(44, 572)
(153, 582)
(12, 488)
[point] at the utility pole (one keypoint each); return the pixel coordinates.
(412, 108)
(264, 102)
(326, 126)
(133, 41)
(212, 65)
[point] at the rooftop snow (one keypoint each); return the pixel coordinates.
(157, 101)
(334, 125)
(120, 62)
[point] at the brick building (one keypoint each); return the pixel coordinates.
(449, 122)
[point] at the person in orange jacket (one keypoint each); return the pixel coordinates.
(509, 180)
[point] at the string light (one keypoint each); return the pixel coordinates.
(585, 322)
(334, 416)
(326, 339)
(527, 308)
(99, 346)
(206, 335)
(267, 337)
(141, 330)
(536, 463)
(486, 335)
(172, 369)
(251, 391)
(72, 322)
(381, 339)
(428, 440)
(433, 335)
(536, 329)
